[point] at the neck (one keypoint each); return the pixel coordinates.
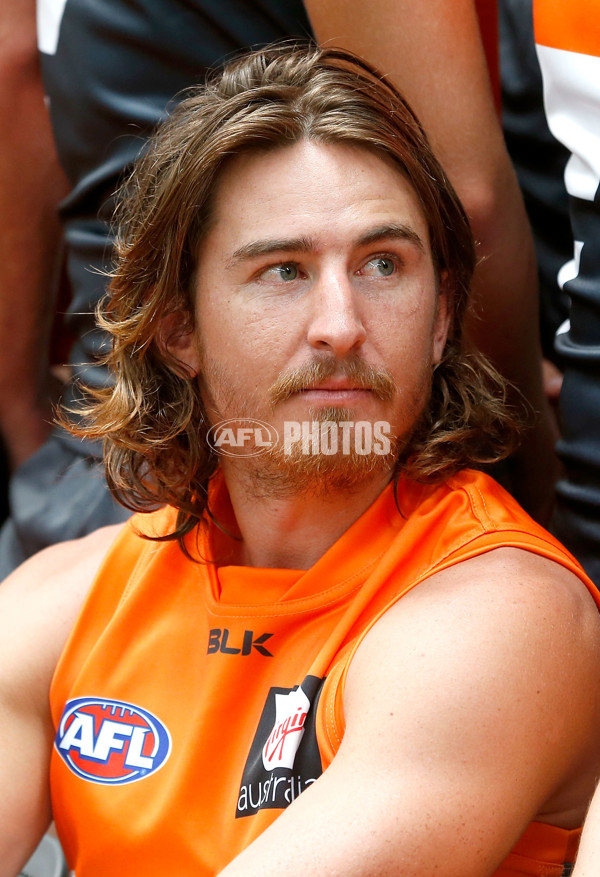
(293, 531)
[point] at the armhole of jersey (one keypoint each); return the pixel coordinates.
(331, 720)
(101, 601)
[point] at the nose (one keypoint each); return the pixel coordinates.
(336, 323)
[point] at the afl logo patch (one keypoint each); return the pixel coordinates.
(110, 741)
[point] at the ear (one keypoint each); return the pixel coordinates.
(443, 318)
(177, 343)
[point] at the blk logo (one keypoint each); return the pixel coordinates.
(110, 741)
(218, 641)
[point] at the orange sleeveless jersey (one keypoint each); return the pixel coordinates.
(193, 702)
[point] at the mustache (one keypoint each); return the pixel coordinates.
(356, 370)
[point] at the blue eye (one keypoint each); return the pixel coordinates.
(380, 265)
(286, 272)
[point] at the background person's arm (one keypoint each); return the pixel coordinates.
(461, 726)
(432, 51)
(31, 184)
(588, 857)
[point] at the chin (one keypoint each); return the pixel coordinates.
(286, 472)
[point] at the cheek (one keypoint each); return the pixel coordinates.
(410, 353)
(408, 329)
(235, 330)
(243, 352)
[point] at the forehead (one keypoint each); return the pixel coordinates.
(328, 192)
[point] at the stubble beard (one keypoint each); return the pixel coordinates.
(284, 472)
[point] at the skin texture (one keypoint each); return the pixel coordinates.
(470, 727)
(340, 305)
(31, 185)
(432, 51)
(589, 849)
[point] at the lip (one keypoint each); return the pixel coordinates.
(331, 394)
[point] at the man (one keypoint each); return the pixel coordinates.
(109, 71)
(336, 650)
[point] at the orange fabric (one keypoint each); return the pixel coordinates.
(184, 679)
(553, 848)
(571, 26)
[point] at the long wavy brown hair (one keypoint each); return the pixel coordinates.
(153, 420)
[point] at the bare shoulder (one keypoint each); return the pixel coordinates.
(518, 567)
(505, 597)
(39, 603)
(68, 568)
(511, 582)
(517, 607)
(505, 640)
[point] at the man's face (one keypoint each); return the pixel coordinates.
(316, 293)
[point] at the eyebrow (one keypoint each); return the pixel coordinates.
(276, 245)
(393, 231)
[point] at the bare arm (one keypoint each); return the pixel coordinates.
(588, 858)
(462, 727)
(31, 184)
(432, 51)
(38, 606)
